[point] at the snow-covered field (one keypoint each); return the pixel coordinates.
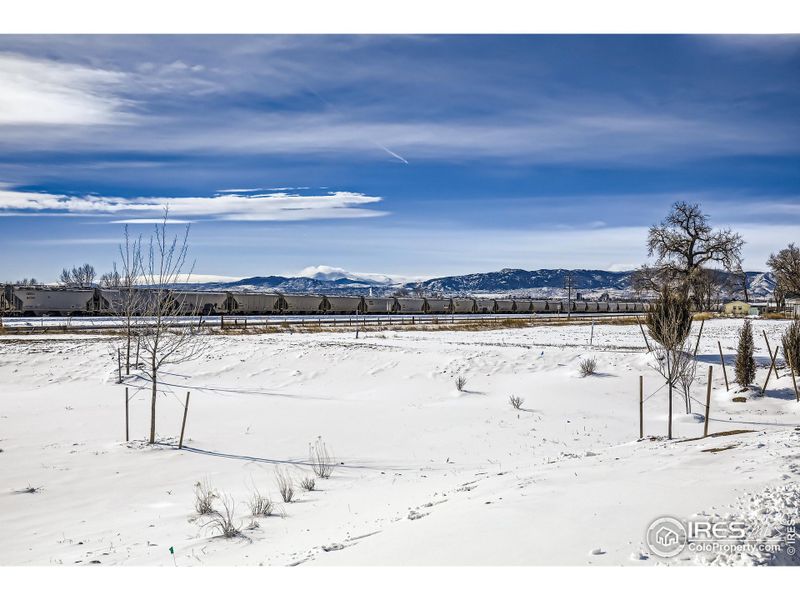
(428, 475)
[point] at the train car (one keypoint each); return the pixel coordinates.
(603, 307)
(523, 306)
(554, 306)
(344, 305)
(380, 306)
(304, 305)
(485, 305)
(464, 306)
(58, 302)
(241, 303)
(201, 303)
(579, 306)
(504, 306)
(9, 303)
(410, 306)
(439, 306)
(539, 306)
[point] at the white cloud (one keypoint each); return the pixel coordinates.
(327, 273)
(277, 206)
(47, 92)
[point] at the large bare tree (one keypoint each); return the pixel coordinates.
(82, 276)
(684, 243)
(785, 266)
(166, 337)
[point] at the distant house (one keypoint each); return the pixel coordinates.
(793, 306)
(736, 308)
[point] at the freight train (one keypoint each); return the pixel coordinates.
(59, 301)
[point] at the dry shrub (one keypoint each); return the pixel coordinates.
(588, 366)
(260, 506)
(224, 521)
(321, 460)
(461, 381)
(515, 401)
(285, 484)
(308, 483)
(204, 496)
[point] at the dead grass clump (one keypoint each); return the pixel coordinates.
(322, 463)
(515, 401)
(702, 316)
(204, 496)
(588, 366)
(308, 483)
(461, 382)
(773, 316)
(285, 484)
(261, 506)
(224, 521)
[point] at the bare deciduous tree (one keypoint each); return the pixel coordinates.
(112, 279)
(684, 242)
(785, 266)
(162, 342)
(82, 276)
(129, 301)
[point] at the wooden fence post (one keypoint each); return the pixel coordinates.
(183, 425)
(724, 372)
(699, 335)
(127, 430)
(708, 401)
(647, 343)
(794, 381)
(641, 407)
(769, 351)
(772, 366)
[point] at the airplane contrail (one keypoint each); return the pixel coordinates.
(395, 154)
(336, 109)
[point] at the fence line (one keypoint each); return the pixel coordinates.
(40, 325)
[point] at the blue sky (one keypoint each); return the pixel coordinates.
(419, 156)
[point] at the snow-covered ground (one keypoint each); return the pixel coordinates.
(428, 475)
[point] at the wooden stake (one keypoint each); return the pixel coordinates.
(771, 367)
(794, 381)
(699, 335)
(641, 407)
(724, 372)
(119, 365)
(669, 383)
(708, 401)
(183, 425)
(647, 343)
(127, 430)
(138, 340)
(769, 351)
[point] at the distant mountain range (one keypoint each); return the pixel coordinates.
(507, 282)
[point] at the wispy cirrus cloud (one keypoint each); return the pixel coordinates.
(275, 206)
(38, 91)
